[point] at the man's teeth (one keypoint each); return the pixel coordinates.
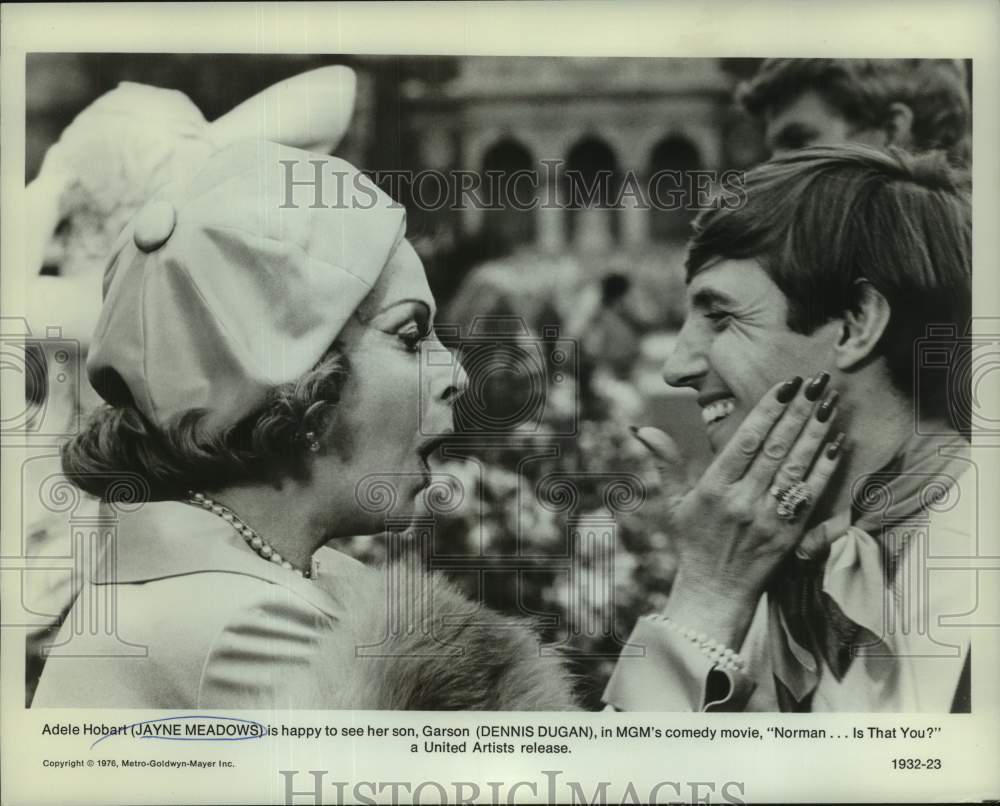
(718, 410)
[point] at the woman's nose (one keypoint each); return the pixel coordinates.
(687, 364)
(444, 381)
(451, 380)
(459, 382)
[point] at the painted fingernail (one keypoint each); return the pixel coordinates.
(788, 389)
(833, 449)
(826, 408)
(816, 386)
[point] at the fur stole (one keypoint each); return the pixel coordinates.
(422, 645)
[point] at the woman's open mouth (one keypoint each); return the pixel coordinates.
(427, 450)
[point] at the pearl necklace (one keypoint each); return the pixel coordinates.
(254, 540)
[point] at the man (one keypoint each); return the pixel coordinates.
(799, 548)
(916, 104)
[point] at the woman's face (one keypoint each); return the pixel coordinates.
(395, 407)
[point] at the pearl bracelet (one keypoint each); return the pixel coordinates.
(723, 656)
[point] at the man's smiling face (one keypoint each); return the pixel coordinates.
(736, 344)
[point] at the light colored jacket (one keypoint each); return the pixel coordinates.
(183, 615)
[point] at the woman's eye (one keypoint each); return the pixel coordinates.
(412, 336)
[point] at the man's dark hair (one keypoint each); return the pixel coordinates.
(821, 220)
(863, 89)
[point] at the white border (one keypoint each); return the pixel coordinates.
(773, 772)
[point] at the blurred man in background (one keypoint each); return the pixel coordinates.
(916, 104)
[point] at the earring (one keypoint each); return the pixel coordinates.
(313, 442)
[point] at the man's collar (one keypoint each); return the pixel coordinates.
(928, 462)
(857, 572)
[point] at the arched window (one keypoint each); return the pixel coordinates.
(672, 189)
(592, 181)
(512, 224)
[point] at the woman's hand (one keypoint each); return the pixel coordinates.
(727, 529)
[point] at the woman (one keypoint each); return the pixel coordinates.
(88, 187)
(263, 350)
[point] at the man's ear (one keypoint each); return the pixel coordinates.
(862, 327)
(899, 126)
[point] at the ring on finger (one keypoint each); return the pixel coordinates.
(785, 479)
(795, 499)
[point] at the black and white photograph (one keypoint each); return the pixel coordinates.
(629, 389)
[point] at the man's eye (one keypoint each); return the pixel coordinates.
(796, 140)
(412, 335)
(719, 319)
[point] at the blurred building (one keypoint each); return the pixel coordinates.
(621, 115)
(624, 118)
(608, 125)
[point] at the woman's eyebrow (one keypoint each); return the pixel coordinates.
(429, 312)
